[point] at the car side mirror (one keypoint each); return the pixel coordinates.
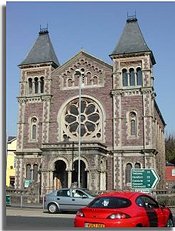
(84, 196)
(162, 205)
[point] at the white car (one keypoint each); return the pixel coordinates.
(67, 199)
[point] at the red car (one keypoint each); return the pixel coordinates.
(123, 209)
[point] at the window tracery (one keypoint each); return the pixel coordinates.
(90, 117)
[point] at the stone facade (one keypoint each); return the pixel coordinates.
(121, 126)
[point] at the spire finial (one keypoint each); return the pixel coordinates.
(131, 18)
(44, 30)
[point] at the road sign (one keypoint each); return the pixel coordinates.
(27, 183)
(144, 178)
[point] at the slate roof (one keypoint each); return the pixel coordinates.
(11, 138)
(42, 51)
(132, 40)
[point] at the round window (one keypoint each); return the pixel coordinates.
(89, 119)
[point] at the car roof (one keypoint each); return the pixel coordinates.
(71, 188)
(56, 190)
(125, 194)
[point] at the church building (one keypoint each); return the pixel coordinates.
(87, 122)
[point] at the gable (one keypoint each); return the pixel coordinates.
(94, 72)
(75, 61)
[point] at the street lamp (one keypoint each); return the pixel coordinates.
(80, 74)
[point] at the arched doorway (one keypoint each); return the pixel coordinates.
(83, 173)
(60, 175)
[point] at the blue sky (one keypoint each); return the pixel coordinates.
(94, 27)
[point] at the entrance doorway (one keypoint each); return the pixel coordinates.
(60, 175)
(83, 174)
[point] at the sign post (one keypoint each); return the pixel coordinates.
(142, 178)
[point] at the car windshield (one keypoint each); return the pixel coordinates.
(110, 202)
(89, 192)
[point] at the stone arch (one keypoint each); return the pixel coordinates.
(51, 165)
(83, 159)
(59, 166)
(60, 177)
(83, 173)
(137, 165)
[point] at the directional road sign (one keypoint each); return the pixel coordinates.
(142, 178)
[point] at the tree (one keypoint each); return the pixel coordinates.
(170, 149)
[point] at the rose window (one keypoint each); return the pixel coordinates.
(89, 117)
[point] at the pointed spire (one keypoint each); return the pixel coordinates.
(132, 40)
(42, 51)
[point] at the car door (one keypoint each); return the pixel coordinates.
(79, 199)
(153, 211)
(63, 199)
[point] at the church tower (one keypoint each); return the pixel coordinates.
(34, 106)
(137, 122)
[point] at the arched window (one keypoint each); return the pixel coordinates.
(137, 165)
(34, 129)
(36, 85)
(131, 77)
(125, 77)
(28, 172)
(128, 173)
(95, 80)
(133, 124)
(35, 172)
(42, 85)
(139, 76)
(30, 85)
(89, 80)
(69, 82)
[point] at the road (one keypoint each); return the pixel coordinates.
(38, 223)
(35, 219)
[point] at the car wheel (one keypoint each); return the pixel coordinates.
(170, 223)
(52, 208)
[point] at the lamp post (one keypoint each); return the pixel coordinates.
(80, 74)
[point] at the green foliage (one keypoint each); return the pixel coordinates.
(170, 149)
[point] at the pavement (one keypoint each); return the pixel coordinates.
(39, 212)
(35, 212)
